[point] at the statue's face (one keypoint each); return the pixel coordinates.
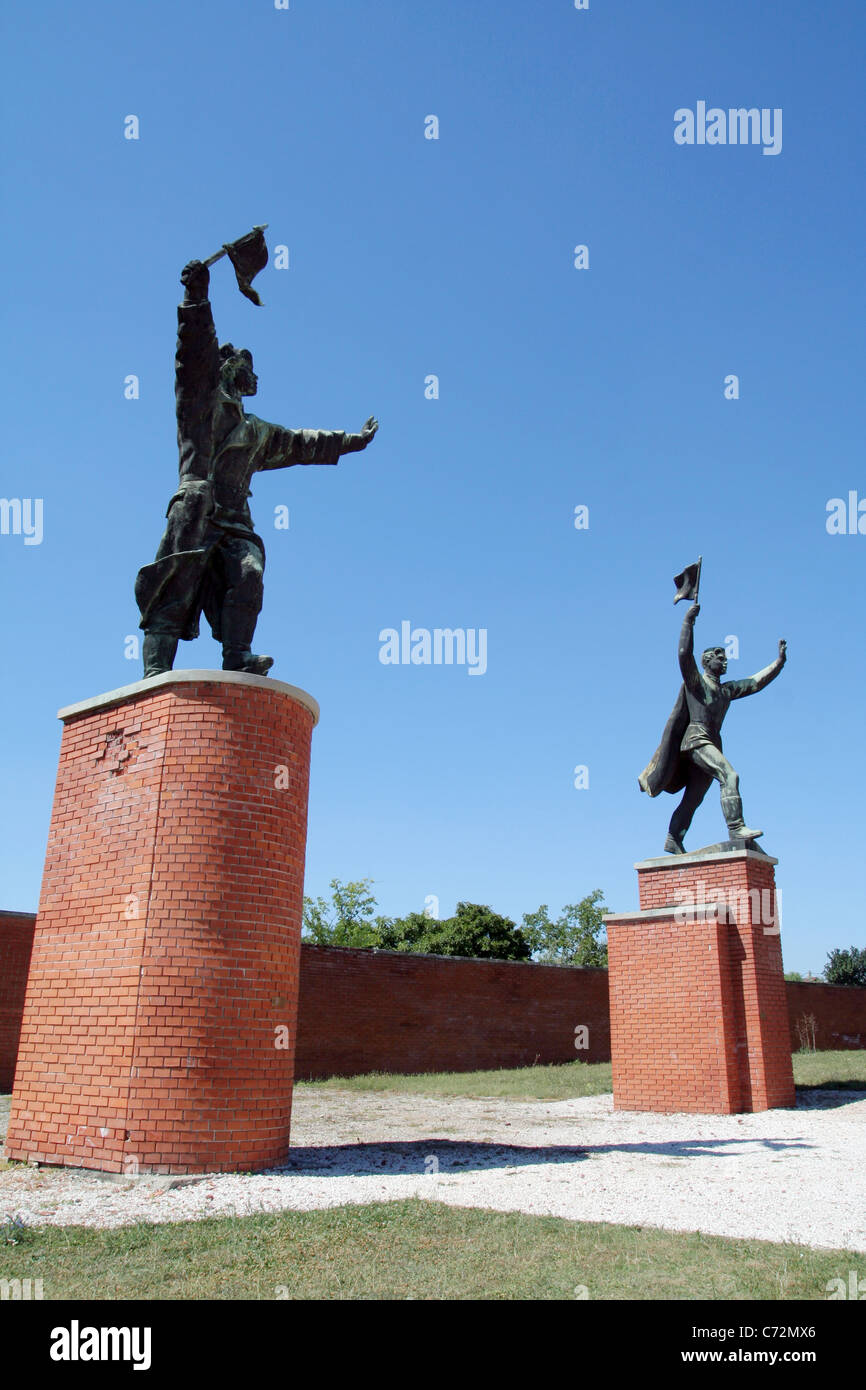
(246, 381)
(238, 373)
(715, 660)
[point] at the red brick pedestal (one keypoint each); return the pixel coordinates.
(159, 1022)
(16, 945)
(698, 1009)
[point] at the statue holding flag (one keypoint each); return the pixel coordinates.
(690, 755)
(210, 559)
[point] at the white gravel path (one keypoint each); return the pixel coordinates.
(783, 1175)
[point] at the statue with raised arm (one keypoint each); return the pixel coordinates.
(210, 558)
(690, 755)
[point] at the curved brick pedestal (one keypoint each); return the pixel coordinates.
(698, 1005)
(159, 1023)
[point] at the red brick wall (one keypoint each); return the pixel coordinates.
(839, 1012)
(16, 944)
(363, 1011)
(167, 945)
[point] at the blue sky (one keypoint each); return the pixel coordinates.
(558, 387)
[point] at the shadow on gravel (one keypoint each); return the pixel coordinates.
(829, 1094)
(431, 1156)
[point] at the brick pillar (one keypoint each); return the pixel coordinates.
(698, 1005)
(16, 945)
(167, 941)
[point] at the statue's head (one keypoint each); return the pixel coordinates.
(236, 373)
(715, 660)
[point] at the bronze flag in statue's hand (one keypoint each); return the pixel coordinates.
(248, 255)
(689, 582)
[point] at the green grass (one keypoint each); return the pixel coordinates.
(840, 1070)
(413, 1250)
(833, 1071)
(556, 1082)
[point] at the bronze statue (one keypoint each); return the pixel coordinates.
(690, 754)
(210, 558)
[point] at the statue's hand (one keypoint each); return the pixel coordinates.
(356, 442)
(783, 649)
(368, 430)
(693, 612)
(195, 277)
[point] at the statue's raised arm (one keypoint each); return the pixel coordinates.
(686, 650)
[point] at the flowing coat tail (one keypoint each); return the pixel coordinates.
(667, 769)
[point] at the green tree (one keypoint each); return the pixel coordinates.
(410, 933)
(846, 967)
(577, 937)
(350, 919)
(347, 920)
(474, 930)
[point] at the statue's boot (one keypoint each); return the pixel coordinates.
(679, 824)
(238, 623)
(235, 659)
(732, 809)
(158, 652)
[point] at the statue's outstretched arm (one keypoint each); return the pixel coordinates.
(752, 684)
(287, 447)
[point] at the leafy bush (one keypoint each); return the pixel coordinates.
(846, 967)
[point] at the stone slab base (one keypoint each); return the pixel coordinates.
(160, 1017)
(698, 1011)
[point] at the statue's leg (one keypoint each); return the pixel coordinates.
(158, 652)
(169, 594)
(715, 762)
(697, 786)
(168, 590)
(243, 565)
